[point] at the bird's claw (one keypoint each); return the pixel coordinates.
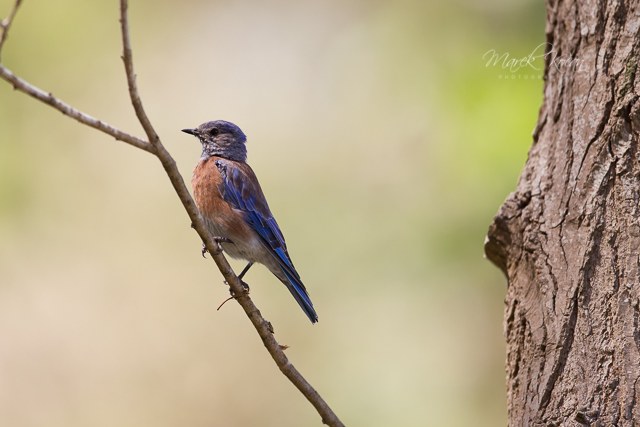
(218, 239)
(245, 288)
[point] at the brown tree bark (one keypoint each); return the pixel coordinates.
(568, 238)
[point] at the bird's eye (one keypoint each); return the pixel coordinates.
(214, 132)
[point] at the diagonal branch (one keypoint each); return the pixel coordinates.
(66, 109)
(263, 327)
(155, 146)
(5, 24)
(127, 58)
(47, 97)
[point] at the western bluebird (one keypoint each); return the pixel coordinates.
(235, 210)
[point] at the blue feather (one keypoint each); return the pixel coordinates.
(299, 292)
(237, 190)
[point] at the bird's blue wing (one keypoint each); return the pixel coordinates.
(241, 189)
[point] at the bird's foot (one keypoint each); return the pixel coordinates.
(245, 288)
(219, 240)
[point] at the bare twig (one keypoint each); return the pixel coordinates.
(155, 146)
(48, 98)
(5, 24)
(263, 327)
(66, 109)
(127, 58)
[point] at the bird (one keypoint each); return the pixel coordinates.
(235, 210)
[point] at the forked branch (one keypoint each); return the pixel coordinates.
(5, 24)
(154, 146)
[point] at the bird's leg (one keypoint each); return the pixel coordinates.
(218, 240)
(244, 271)
(244, 284)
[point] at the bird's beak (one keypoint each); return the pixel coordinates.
(193, 132)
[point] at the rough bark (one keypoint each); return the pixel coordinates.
(568, 238)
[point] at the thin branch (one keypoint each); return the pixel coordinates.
(155, 146)
(127, 58)
(5, 24)
(47, 97)
(263, 327)
(66, 109)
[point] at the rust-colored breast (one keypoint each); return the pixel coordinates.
(206, 183)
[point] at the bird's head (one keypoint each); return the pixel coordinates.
(221, 138)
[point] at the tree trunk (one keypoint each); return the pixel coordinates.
(568, 238)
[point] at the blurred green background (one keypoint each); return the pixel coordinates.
(385, 144)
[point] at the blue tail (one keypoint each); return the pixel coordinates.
(299, 292)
